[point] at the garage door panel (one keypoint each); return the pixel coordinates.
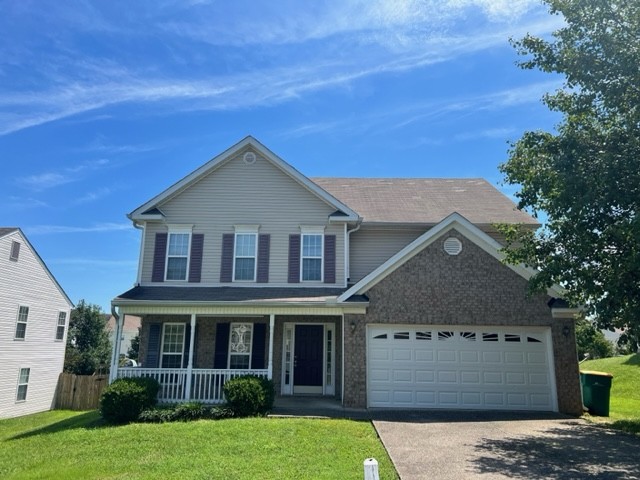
(467, 367)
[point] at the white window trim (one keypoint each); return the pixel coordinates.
(23, 384)
(306, 230)
(184, 334)
(26, 322)
(250, 354)
(178, 231)
(58, 325)
(246, 230)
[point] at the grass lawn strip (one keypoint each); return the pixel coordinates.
(63, 444)
(624, 406)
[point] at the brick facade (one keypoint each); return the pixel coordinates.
(472, 288)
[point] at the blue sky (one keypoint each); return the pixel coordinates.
(105, 104)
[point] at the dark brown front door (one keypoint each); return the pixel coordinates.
(307, 369)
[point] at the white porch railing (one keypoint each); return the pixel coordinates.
(206, 384)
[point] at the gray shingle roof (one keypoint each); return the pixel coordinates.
(7, 230)
(424, 200)
(231, 294)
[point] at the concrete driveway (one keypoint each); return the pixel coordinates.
(498, 445)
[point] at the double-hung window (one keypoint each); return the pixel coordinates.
(172, 345)
(240, 345)
(245, 255)
(23, 384)
(15, 251)
(21, 323)
(178, 255)
(62, 323)
(312, 243)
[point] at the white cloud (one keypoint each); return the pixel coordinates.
(47, 180)
(59, 229)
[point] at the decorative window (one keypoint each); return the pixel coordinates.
(533, 340)
(240, 345)
(312, 257)
(15, 251)
(244, 263)
(489, 337)
(445, 335)
(21, 323)
(401, 336)
(62, 322)
(23, 384)
(469, 336)
(380, 336)
(172, 345)
(511, 337)
(423, 335)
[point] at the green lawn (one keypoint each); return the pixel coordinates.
(64, 444)
(625, 390)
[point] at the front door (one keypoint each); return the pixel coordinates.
(307, 360)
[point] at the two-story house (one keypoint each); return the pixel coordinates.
(379, 292)
(34, 317)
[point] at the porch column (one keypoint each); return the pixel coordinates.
(187, 394)
(115, 352)
(272, 322)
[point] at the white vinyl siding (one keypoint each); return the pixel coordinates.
(239, 194)
(27, 283)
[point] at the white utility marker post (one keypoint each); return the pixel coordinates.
(371, 469)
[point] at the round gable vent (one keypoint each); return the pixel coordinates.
(249, 158)
(452, 246)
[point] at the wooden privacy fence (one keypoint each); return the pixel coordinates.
(79, 392)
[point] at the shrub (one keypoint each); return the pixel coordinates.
(249, 395)
(184, 412)
(125, 398)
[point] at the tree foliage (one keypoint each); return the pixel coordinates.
(88, 346)
(585, 177)
(134, 348)
(591, 341)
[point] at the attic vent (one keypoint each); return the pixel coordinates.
(249, 158)
(452, 246)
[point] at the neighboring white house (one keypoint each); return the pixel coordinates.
(130, 329)
(34, 318)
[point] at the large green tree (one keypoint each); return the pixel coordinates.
(88, 347)
(583, 179)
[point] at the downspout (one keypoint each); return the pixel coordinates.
(347, 249)
(142, 242)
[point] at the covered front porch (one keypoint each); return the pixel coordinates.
(192, 350)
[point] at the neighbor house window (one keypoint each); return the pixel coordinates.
(245, 253)
(23, 383)
(172, 345)
(15, 251)
(21, 323)
(240, 345)
(62, 322)
(312, 256)
(178, 256)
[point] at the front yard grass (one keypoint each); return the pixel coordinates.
(70, 445)
(624, 406)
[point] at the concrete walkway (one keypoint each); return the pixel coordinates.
(486, 445)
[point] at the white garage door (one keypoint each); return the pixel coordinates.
(460, 367)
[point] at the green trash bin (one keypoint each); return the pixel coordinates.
(596, 389)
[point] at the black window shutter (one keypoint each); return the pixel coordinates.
(264, 241)
(195, 263)
(226, 263)
(187, 341)
(294, 258)
(159, 257)
(258, 347)
(329, 259)
(222, 345)
(153, 346)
